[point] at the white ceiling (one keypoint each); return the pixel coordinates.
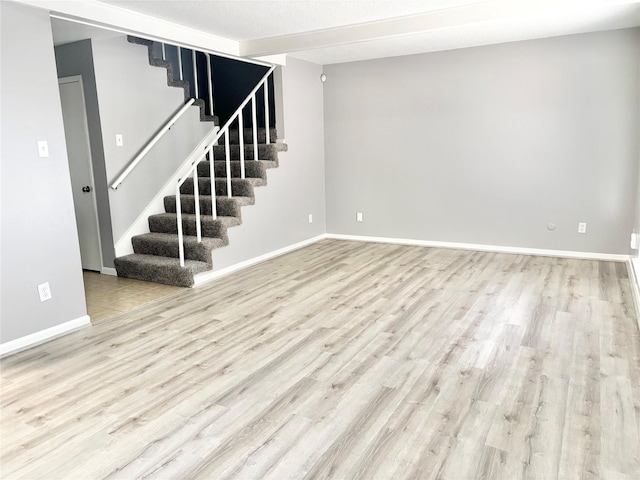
(335, 31)
(256, 19)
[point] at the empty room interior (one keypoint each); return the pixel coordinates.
(349, 239)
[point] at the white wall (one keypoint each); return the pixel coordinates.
(295, 189)
(135, 101)
(489, 145)
(39, 240)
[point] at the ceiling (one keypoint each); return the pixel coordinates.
(336, 31)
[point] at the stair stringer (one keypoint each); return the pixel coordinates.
(140, 226)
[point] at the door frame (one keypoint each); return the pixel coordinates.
(78, 79)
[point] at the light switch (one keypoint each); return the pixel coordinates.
(43, 148)
(119, 140)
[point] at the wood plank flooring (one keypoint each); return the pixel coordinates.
(344, 360)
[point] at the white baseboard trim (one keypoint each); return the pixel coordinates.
(485, 248)
(109, 271)
(633, 267)
(206, 277)
(28, 341)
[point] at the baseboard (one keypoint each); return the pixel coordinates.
(209, 276)
(28, 341)
(633, 267)
(109, 271)
(206, 277)
(485, 248)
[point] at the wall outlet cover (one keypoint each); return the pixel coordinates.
(44, 291)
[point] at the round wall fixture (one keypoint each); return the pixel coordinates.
(323, 78)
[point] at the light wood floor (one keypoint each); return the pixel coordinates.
(109, 296)
(348, 361)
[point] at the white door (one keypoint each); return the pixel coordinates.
(79, 153)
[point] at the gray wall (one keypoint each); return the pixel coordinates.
(135, 101)
(488, 145)
(279, 217)
(39, 240)
(77, 59)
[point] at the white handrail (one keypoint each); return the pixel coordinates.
(116, 183)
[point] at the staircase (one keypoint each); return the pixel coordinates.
(156, 256)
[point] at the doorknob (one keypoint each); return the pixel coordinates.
(86, 189)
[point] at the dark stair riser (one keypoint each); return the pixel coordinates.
(225, 206)
(168, 247)
(239, 187)
(167, 223)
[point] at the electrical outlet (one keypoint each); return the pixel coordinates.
(119, 140)
(44, 291)
(358, 216)
(634, 241)
(43, 148)
(582, 227)
(310, 218)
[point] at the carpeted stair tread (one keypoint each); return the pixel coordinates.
(152, 268)
(252, 168)
(244, 201)
(167, 223)
(166, 245)
(225, 206)
(265, 152)
(234, 138)
(188, 217)
(241, 187)
(256, 182)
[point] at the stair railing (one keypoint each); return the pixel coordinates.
(198, 91)
(156, 138)
(237, 117)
